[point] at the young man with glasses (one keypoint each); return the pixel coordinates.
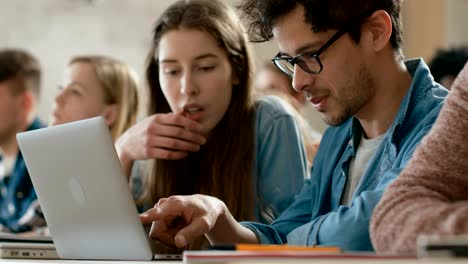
(345, 56)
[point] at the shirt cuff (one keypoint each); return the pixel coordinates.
(265, 233)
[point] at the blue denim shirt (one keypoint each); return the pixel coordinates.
(19, 207)
(280, 159)
(316, 216)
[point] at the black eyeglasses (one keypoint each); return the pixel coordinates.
(308, 61)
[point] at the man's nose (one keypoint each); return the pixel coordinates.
(59, 97)
(302, 79)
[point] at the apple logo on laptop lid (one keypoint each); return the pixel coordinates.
(77, 191)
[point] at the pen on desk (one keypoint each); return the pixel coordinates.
(260, 247)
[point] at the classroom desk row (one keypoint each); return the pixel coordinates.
(295, 261)
(38, 261)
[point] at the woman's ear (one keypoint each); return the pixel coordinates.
(110, 113)
(379, 29)
(235, 79)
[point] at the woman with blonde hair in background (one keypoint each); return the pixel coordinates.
(94, 86)
(97, 86)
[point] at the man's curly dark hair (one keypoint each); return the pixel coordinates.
(322, 15)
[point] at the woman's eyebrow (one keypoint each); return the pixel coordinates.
(199, 57)
(204, 56)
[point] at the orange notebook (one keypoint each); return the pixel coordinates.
(276, 248)
(246, 254)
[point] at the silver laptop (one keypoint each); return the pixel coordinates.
(83, 192)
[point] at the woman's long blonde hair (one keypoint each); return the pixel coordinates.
(120, 87)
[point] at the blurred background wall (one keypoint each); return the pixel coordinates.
(55, 30)
(432, 24)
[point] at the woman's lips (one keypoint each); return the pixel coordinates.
(193, 111)
(195, 116)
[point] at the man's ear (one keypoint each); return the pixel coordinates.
(379, 30)
(110, 114)
(27, 101)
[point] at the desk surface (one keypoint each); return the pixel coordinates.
(296, 261)
(41, 261)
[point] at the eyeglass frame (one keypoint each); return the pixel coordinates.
(312, 55)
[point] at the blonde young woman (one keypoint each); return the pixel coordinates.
(206, 134)
(97, 86)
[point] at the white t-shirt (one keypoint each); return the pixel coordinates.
(358, 165)
(6, 166)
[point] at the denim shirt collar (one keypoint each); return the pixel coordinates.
(36, 124)
(420, 74)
